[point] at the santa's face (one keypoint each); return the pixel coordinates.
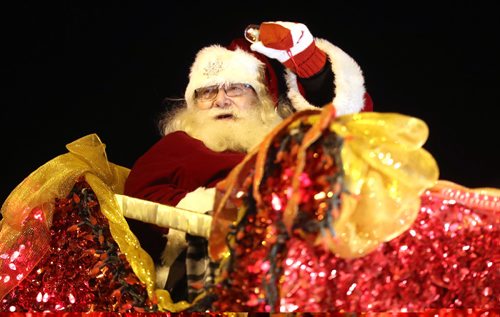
(229, 117)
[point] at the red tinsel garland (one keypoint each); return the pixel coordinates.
(447, 259)
(84, 269)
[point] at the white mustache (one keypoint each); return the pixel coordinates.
(218, 113)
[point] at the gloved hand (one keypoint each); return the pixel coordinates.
(292, 44)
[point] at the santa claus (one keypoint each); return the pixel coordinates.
(235, 96)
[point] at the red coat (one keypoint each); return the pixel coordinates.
(176, 165)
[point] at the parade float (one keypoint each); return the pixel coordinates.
(330, 214)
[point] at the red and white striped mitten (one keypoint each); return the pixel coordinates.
(293, 45)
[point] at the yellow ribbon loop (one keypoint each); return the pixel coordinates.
(386, 170)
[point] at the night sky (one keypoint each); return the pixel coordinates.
(79, 68)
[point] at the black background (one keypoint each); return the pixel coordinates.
(77, 68)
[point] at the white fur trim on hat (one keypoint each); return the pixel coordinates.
(215, 65)
(349, 82)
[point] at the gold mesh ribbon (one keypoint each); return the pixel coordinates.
(36, 194)
(386, 171)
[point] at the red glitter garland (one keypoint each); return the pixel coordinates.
(447, 259)
(84, 269)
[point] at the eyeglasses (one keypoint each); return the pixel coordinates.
(210, 93)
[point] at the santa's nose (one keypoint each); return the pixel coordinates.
(221, 100)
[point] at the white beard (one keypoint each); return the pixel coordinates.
(242, 132)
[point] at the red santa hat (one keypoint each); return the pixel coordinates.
(217, 65)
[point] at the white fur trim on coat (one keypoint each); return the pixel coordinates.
(349, 82)
(200, 200)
